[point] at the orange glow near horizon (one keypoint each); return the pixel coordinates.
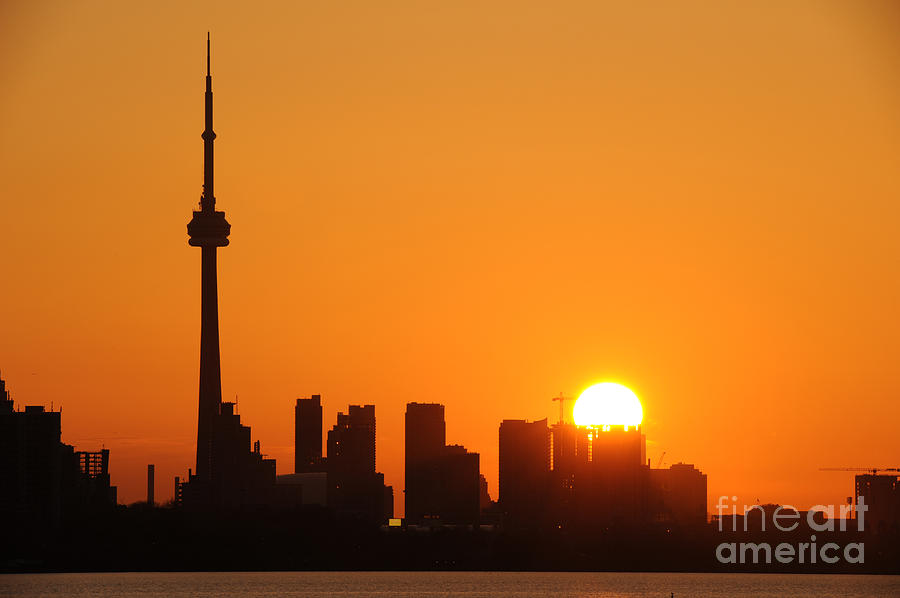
(477, 204)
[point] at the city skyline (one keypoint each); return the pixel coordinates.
(480, 326)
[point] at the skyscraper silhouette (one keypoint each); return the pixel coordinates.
(308, 435)
(524, 468)
(425, 433)
(208, 230)
(677, 494)
(355, 489)
(443, 482)
(351, 442)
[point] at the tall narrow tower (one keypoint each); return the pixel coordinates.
(208, 230)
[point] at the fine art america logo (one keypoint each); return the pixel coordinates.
(787, 523)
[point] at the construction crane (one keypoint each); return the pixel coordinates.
(562, 410)
(872, 470)
(660, 462)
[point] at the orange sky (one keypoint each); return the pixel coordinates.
(481, 204)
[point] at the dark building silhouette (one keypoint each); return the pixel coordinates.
(308, 435)
(45, 481)
(242, 476)
(442, 482)
(425, 434)
(458, 485)
(355, 489)
(614, 486)
(598, 475)
(678, 494)
(882, 496)
(86, 481)
(425, 431)
(151, 474)
(565, 447)
(313, 486)
(351, 442)
(571, 455)
(589, 478)
(484, 496)
(31, 465)
(524, 469)
(310, 467)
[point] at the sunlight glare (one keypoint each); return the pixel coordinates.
(608, 404)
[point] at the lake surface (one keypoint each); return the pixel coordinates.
(449, 584)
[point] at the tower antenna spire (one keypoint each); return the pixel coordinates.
(208, 202)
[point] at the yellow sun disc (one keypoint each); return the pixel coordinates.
(608, 404)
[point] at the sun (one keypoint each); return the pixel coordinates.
(608, 404)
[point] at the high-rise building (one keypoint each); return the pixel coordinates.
(458, 484)
(308, 435)
(42, 480)
(616, 448)
(242, 474)
(598, 476)
(678, 494)
(425, 438)
(351, 442)
(355, 489)
(565, 443)
(442, 483)
(571, 451)
(30, 464)
(524, 469)
(612, 487)
(425, 431)
(881, 495)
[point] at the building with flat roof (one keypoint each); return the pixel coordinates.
(881, 494)
(308, 435)
(42, 480)
(443, 484)
(525, 459)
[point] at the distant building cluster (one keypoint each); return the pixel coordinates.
(345, 480)
(44, 481)
(584, 477)
(556, 476)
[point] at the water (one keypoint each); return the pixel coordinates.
(446, 584)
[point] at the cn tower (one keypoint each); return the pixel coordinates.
(208, 230)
